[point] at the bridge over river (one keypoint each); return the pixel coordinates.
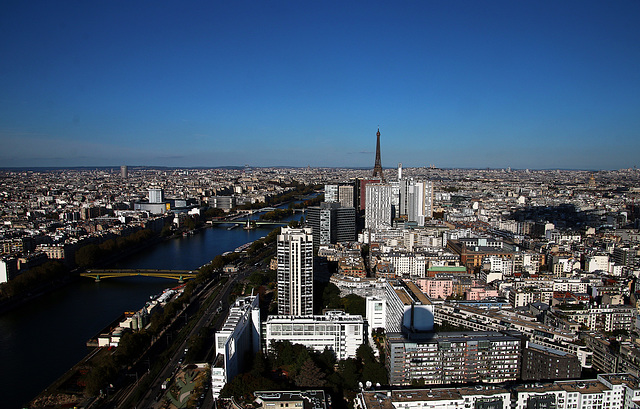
(180, 275)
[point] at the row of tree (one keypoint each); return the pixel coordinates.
(293, 366)
(299, 189)
(90, 254)
(32, 279)
(53, 270)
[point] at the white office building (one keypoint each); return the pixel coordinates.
(331, 193)
(376, 312)
(345, 195)
(342, 333)
(238, 337)
(408, 308)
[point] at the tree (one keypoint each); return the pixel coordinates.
(102, 373)
(331, 296)
(257, 278)
(88, 255)
(354, 304)
(244, 385)
(349, 372)
(166, 230)
(372, 370)
(309, 375)
(327, 360)
(131, 346)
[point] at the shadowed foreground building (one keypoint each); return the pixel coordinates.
(540, 362)
(608, 391)
(238, 338)
(312, 399)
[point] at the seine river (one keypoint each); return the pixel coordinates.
(40, 341)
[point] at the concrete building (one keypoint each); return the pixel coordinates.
(312, 399)
(362, 286)
(331, 223)
(539, 362)
(331, 193)
(238, 338)
(378, 211)
(376, 312)
(346, 195)
(8, 268)
(502, 319)
(408, 309)
(406, 264)
(156, 195)
(342, 333)
(416, 200)
(452, 357)
(436, 288)
(608, 391)
(222, 202)
(295, 272)
(478, 397)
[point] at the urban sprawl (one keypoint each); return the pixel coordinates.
(493, 288)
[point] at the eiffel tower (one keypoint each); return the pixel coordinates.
(377, 168)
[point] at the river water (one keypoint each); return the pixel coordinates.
(41, 340)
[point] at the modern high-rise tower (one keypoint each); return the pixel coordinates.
(331, 223)
(416, 200)
(377, 168)
(295, 272)
(379, 209)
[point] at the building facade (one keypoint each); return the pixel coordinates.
(416, 200)
(156, 195)
(295, 272)
(378, 210)
(452, 357)
(331, 223)
(239, 336)
(540, 362)
(338, 331)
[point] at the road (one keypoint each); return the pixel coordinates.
(172, 366)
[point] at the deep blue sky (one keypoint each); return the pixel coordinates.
(526, 84)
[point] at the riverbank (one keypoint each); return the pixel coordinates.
(74, 274)
(54, 327)
(68, 390)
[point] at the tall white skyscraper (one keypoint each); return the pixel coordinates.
(295, 272)
(378, 211)
(416, 200)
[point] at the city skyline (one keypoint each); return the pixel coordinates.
(538, 85)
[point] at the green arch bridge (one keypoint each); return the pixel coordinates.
(180, 275)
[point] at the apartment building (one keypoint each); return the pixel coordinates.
(452, 357)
